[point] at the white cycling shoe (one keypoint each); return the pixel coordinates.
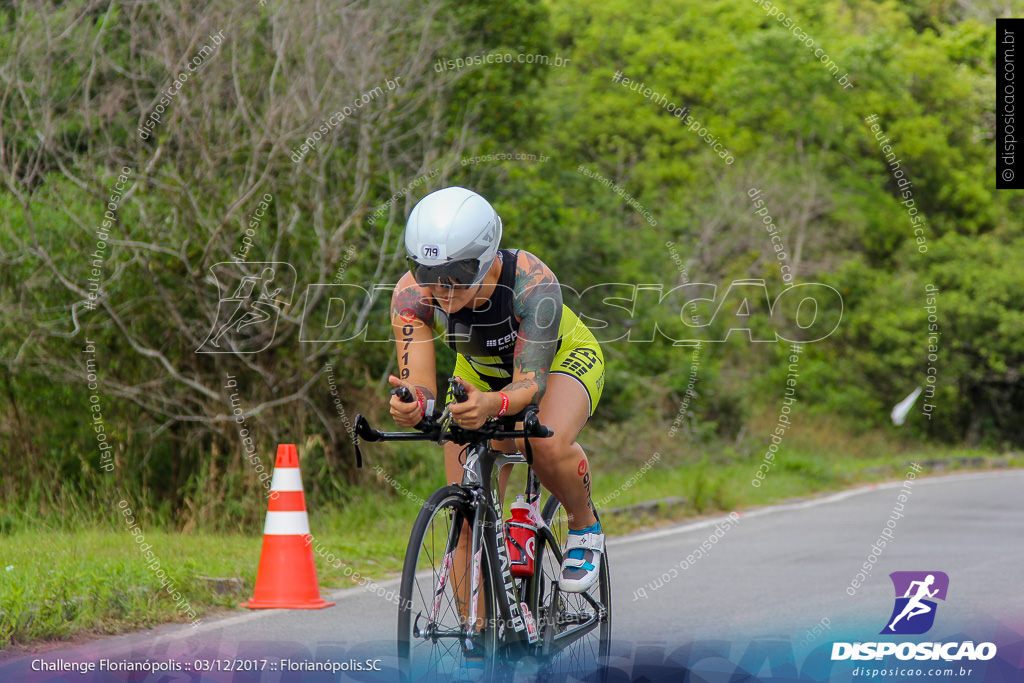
(582, 563)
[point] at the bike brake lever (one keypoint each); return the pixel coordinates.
(458, 391)
(403, 394)
(363, 429)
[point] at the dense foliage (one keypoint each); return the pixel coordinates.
(606, 181)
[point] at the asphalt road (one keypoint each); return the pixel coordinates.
(778, 574)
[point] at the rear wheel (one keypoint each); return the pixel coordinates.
(574, 628)
(435, 595)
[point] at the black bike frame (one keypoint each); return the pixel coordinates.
(481, 466)
(479, 477)
(480, 484)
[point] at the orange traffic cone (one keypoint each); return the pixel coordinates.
(287, 576)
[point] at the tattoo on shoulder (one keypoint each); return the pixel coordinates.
(538, 303)
(412, 304)
(538, 299)
(534, 281)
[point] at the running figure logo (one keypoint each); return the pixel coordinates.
(914, 612)
(247, 319)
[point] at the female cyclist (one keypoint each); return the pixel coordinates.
(517, 344)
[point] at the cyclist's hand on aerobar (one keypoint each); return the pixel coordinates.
(474, 411)
(405, 414)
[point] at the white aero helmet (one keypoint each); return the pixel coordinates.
(452, 237)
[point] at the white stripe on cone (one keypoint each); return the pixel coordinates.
(286, 524)
(286, 479)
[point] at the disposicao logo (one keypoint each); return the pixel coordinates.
(914, 613)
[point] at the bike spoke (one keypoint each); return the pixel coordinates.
(575, 627)
(435, 594)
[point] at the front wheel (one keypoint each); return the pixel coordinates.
(574, 628)
(435, 596)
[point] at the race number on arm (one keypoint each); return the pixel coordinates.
(411, 318)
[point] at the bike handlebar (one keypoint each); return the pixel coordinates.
(403, 394)
(434, 429)
(458, 392)
(430, 429)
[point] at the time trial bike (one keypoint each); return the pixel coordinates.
(461, 599)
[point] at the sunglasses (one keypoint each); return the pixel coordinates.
(452, 274)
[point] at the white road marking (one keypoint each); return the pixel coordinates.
(687, 527)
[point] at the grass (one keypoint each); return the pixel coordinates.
(59, 585)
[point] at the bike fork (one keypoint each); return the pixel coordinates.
(442, 581)
(446, 568)
(474, 586)
(475, 582)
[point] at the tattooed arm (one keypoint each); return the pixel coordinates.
(411, 318)
(538, 305)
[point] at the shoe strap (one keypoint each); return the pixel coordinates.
(589, 541)
(573, 563)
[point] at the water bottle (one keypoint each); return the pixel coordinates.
(521, 538)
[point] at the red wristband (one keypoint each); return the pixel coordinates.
(421, 400)
(504, 404)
